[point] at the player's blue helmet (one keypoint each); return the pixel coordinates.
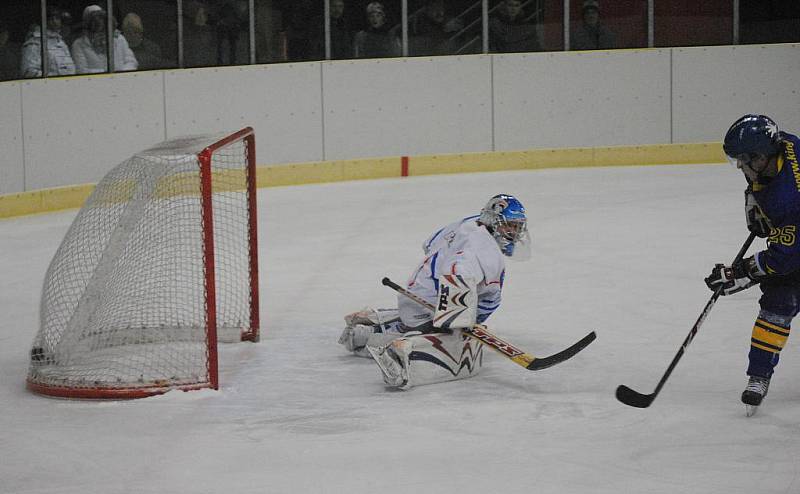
(505, 218)
(752, 135)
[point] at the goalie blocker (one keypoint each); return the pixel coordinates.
(457, 305)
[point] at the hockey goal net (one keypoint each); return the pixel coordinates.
(159, 264)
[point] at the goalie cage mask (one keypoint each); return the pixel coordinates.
(505, 217)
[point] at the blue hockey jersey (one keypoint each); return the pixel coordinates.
(779, 199)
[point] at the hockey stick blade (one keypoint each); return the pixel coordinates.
(634, 398)
(540, 363)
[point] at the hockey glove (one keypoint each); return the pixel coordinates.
(757, 221)
(736, 278)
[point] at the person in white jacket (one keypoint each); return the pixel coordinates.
(59, 60)
(89, 51)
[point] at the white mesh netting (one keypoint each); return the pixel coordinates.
(124, 306)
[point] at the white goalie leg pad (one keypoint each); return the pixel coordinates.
(457, 305)
(419, 359)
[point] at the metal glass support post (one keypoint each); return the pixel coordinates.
(327, 22)
(180, 34)
(566, 25)
(651, 23)
(43, 44)
(251, 7)
(110, 35)
(736, 22)
(404, 25)
(485, 25)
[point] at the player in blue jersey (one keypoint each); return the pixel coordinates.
(768, 159)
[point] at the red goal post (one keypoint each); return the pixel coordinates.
(159, 265)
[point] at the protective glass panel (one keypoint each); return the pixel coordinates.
(216, 33)
(688, 23)
(516, 26)
(58, 57)
(549, 16)
(150, 29)
(436, 27)
(607, 25)
(89, 40)
(270, 34)
(378, 29)
(20, 22)
(303, 23)
(769, 22)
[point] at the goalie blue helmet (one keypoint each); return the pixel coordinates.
(752, 135)
(505, 218)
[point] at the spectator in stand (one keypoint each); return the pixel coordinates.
(199, 39)
(59, 60)
(270, 41)
(431, 32)
(591, 34)
(510, 32)
(68, 33)
(9, 55)
(301, 32)
(147, 52)
(377, 40)
(341, 33)
(89, 51)
(231, 21)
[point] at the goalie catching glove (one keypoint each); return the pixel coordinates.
(734, 279)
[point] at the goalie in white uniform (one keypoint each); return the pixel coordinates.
(462, 276)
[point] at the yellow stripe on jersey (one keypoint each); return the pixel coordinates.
(768, 336)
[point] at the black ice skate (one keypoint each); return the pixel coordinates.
(755, 392)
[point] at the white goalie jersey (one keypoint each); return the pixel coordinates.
(462, 248)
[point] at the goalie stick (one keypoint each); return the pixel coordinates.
(639, 400)
(520, 357)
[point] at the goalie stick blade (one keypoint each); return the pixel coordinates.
(540, 363)
(633, 398)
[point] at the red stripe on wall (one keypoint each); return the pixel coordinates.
(404, 166)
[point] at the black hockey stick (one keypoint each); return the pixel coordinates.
(634, 398)
(482, 334)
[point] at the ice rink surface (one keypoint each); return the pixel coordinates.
(622, 251)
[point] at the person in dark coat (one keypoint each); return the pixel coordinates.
(377, 40)
(510, 32)
(592, 34)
